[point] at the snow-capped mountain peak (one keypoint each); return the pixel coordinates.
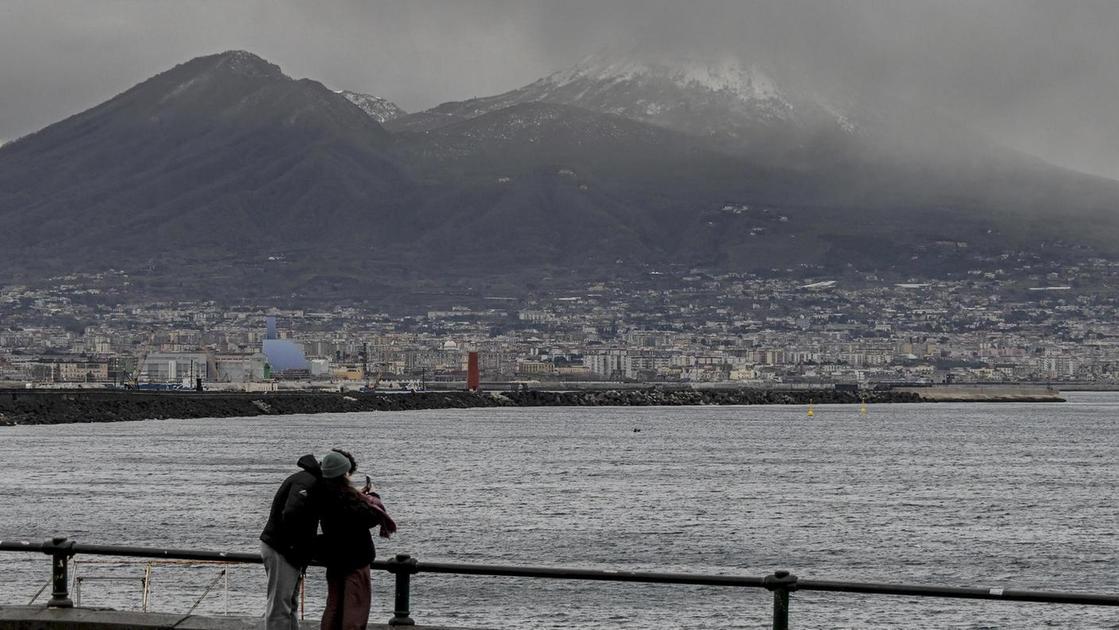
(735, 104)
(721, 97)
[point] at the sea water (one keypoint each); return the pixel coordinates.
(1014, 496)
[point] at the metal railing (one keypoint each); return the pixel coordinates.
(780, 583)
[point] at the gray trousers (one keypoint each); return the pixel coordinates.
(283, 591)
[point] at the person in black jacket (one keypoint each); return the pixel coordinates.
(347, 516)
(286, 543)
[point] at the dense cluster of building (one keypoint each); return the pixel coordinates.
(1027, 323)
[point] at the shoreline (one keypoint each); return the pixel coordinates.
(24, 407)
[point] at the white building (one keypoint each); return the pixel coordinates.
(608, 363)
(175, 367)
(239, 368)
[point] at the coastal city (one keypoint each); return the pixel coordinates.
(1024, 323)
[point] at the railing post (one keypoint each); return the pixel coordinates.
(781, 583)
(403, 565)
(60, 550)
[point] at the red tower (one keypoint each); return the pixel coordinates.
(473, 380)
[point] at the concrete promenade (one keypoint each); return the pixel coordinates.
(43, 618)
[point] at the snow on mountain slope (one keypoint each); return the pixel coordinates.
(380, 109)
(723, 99)
(725, 77)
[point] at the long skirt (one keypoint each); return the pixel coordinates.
(347, 600)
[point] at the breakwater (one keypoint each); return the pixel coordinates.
(985, 393)
(68, 406)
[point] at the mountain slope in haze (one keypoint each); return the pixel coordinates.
(220, 152)
(531, 134)
(841, 152)
(539, 184)
(877, 191)
(679, 199)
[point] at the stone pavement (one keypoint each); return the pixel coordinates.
(42, 618)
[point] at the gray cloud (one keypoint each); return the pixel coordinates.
(1038, 75)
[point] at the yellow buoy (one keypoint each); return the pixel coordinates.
(862, 408)
(810, 412)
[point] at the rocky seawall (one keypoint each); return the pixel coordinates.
(61, 406)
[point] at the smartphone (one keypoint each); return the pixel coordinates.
(368, 484)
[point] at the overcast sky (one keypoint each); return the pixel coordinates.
(1038, 75)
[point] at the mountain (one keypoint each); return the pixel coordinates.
(225, 178)
(222, 153)
(378, 108)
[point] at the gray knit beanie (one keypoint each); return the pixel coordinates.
(334, 465)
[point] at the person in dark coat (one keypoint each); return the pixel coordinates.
(286, 543)
(347, 516)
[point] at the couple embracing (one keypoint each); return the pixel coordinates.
(322, 492)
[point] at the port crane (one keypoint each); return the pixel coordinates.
(377, 378)
(134, 378)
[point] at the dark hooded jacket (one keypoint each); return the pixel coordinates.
(294, 518)
(347, 516)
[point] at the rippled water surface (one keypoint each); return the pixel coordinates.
(995, 495)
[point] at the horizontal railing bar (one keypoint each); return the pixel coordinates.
(137, 552)
(113, 578)
(1053, 597)
(586, 574)
(168, 554)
